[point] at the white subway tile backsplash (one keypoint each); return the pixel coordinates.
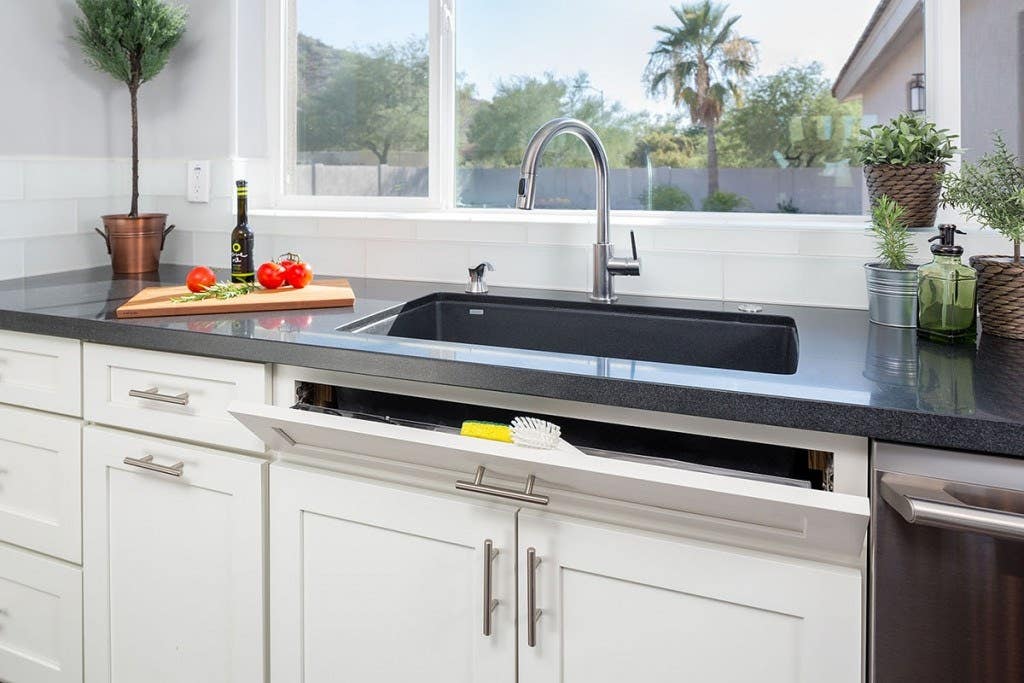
(819, 281)
(585, 234)
(852, 243)
(410, 260)
(178, 247)
(13, 266)
(554, 267)
(58, 253)
(216, 216)
(691, 275)
(471, 231)
(11, 180)
(358, 228)
(728, 240)
(328, 256)
(39, 217)
(66, 178)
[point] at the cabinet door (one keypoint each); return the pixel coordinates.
(173, 565)
(41, 482)
(372, 582)
(40, 619)
(627, 606)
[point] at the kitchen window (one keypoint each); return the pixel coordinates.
(428, 104)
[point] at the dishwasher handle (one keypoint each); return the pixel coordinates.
(948, 514)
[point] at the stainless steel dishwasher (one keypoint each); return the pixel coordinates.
(947, 567)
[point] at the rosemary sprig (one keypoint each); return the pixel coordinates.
(219, 290)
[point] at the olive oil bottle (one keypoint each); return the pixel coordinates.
(243, 268)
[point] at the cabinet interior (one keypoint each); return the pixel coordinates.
(748, 459)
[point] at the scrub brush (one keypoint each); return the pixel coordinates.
(535, 433)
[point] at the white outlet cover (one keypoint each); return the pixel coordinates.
(197, 182)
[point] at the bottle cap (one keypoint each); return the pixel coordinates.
(947, 241)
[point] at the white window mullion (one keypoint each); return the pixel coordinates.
(442, 113)
(942, 76)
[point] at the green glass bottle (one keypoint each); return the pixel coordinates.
(947, 292)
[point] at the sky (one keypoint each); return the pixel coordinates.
(609, 39)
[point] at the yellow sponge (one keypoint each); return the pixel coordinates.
(495, 431)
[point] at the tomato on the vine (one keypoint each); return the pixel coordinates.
(298, 275)
(271, 275)
(199, 279)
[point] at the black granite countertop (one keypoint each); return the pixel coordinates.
(853, 377)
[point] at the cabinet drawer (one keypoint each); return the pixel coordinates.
(718, 507)
(184, 397)
(41, 482)
(41, 372)
(40, 619)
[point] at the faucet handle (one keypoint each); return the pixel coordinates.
(632, 242)
(618, 265)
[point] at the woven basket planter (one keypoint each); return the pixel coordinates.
(914, 187)
(1000, 295)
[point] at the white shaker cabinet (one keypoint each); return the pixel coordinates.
(373, 582)
(619, 605)
(173, 562)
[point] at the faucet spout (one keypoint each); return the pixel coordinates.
(605, 264)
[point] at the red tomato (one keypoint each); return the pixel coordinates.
(271, 275)
(200, 278)
(299, 275)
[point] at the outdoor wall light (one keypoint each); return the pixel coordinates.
(915, 94)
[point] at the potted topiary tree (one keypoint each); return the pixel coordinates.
(892, 280)
(992, 192)
(131, 40)
(903, 160)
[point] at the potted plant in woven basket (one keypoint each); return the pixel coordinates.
(131, 40)
(903, 160)
(892, 280)
(991, 191)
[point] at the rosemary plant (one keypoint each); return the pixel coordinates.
(892, 238)
(991, 191)
(219, 290)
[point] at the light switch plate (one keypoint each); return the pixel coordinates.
(198, 182)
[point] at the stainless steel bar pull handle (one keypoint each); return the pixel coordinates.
(147, 463)
(152, 394)
(525, 496)
(532, 613)
(916, 508)
(490, 552)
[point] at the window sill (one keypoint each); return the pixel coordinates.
(724, 221)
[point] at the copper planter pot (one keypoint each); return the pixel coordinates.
(135, 243)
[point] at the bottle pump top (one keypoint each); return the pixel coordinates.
(947, 241)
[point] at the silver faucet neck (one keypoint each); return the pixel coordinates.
(606, 264)
(534, 151)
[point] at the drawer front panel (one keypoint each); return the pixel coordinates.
(183, 397)
(40, 619)
(41, 372)
(40, 482)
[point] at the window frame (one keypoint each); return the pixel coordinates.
(942, 64)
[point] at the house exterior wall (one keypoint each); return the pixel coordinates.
(885, 89)
(991, 71)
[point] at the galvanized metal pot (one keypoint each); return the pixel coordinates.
(135, 242)
(892, 295)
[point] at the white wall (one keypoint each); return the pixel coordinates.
(64, 142)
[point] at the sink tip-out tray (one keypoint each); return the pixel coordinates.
(156, 301)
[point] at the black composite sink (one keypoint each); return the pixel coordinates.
(736, 341)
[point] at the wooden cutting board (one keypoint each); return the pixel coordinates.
(156, 301)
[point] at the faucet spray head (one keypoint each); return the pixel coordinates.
(525, 196)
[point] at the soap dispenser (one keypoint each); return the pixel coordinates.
(947, 292)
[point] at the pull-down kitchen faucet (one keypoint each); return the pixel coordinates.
(605, 265)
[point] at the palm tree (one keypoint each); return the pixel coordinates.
(699, 62)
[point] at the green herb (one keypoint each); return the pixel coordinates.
(890, 229)
(991, 192)
(905, 140)
(219, 290)
(131, 40)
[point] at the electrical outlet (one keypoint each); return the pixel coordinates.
(198, 182)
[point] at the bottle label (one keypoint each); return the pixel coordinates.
(241, 262)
